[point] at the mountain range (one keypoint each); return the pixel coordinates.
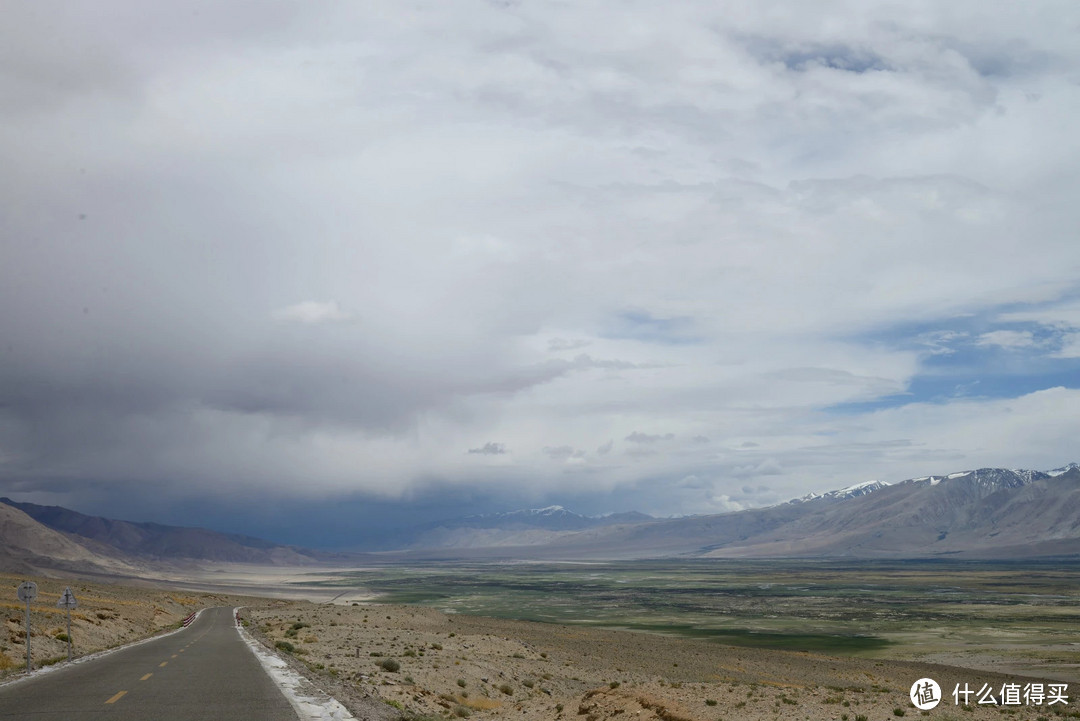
(35, 537)
(983, 513)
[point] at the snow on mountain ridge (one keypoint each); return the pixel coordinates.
(853, 491)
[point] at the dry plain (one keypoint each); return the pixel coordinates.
(393, 661)
(427, 664)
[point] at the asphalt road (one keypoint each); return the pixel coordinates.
(203, 673)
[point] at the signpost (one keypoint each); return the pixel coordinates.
(67, 600)
(28, 592)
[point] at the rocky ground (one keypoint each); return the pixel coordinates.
(422, 663)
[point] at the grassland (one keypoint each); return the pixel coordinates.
(1008, 617)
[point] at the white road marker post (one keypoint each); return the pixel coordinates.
(67, 600)
(28, 592)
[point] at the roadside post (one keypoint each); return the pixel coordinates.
(28, 592)
(67, 600)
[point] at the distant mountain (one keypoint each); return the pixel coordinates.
(859, 489)
(28, 546)
(528, 527)
(983, 513)
(154, 541)
(989, 512)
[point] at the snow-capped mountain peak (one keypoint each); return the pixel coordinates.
(854, 491)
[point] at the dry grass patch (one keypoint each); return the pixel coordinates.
(479, 703)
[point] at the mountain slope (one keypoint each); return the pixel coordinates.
(159, 542)
(989, 512)
(27, 545)
(984, 512)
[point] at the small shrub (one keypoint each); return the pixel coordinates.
(613, 684)
(898, 712)
(710, 702)
(285, 646)
(62, 637)
(461, 682)
(462, 711)
(390, 665)
(437, 646)
(507, 689)
(528, 683)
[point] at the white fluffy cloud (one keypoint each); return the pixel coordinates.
(731, 207)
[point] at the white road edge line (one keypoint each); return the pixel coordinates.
(39, 672)
(310, 702)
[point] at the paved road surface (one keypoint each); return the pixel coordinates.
(204, 673)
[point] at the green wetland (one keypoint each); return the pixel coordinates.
(1011, 617)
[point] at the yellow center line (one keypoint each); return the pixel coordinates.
(146, 677)
(116, 698)
(163, 664)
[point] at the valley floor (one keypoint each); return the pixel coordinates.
(427, 663)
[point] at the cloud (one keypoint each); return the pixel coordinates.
(312, 312)
(1070, 346)
(313, 252)
(489, 449)
(1008, 339)
(563, 453)
(639, 437)
(941, 342)
(561, 344)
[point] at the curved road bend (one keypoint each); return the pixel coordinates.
(205, 672)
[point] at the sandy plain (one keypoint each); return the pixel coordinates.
(460, 666)
(448, 665)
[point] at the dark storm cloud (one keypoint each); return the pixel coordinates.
(280, 250)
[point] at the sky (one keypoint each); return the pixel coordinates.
(314, 271)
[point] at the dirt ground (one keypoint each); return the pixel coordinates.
(107, 616)
(424, 663)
